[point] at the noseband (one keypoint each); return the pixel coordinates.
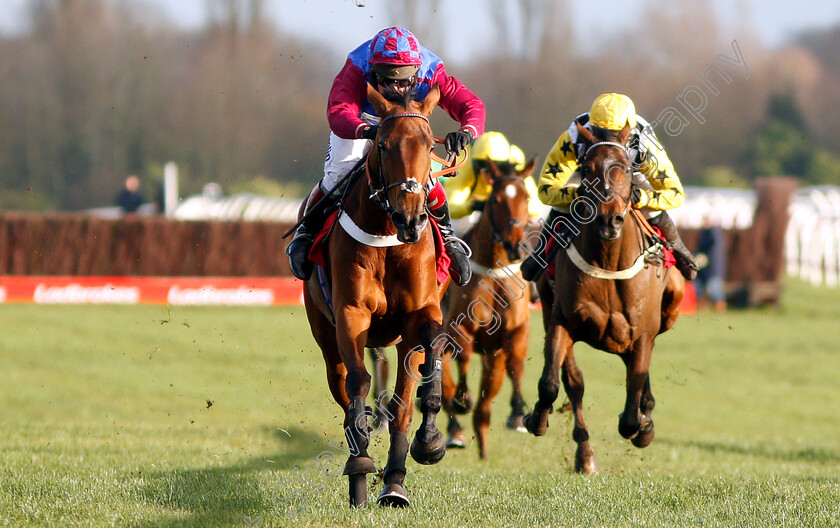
(379, 189)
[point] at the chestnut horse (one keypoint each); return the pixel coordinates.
(490, 314)
(384, 292)
(610, 291)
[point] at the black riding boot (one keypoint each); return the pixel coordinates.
(533, 267)
(298, 248)
(459, 268)
(685, 260)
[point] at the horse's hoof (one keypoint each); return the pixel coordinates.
(517, 423)
(585, 461)
(393, 496)
(536, 423)
(645, 436)
(428, 452)
(456, 440)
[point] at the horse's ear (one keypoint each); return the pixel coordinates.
(587, 136)
(431, 100)
(529, 168)
(624, 135)
(377, 100)
(492, 171)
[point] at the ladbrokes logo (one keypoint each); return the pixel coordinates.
(225, 296)
(77, 294)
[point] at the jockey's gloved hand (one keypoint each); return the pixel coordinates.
(457, 141)
(369, 132)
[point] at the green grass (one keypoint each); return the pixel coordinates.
(105, 420)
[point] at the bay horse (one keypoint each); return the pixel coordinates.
(490, 315)
(384, 292)
(605, 294)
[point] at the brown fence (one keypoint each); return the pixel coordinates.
(79, 244)
(755, 257)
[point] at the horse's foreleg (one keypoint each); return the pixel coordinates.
(516, 349)
(462, 402)
(324, 334)
(671, 299)
(492, 376)
(380, 382)
(634, 421)
(585, 461)
(558, 343)
(400, 412)
(428, 446)
(455, 433)
(453, 402)
(351, 338)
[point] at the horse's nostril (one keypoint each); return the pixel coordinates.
(398, 219)
(617, 221)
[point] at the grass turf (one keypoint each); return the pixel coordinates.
(151, 416)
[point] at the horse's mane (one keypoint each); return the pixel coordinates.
(401, 99)
(605, 134)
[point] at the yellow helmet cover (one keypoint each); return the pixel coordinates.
(517, 158)
(612, 111)
(491, 145)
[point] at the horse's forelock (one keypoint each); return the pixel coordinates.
(401, 99)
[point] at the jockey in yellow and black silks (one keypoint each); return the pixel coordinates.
(657, 187)
(469, 189)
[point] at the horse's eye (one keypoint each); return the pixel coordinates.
(382, 145)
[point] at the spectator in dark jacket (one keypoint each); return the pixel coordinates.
(130, 198)
(711, 255)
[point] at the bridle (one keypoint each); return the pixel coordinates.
(379, 188)
(608, 189)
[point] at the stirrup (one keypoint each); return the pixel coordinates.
(459, 267)
(299, 262)
(465, 248)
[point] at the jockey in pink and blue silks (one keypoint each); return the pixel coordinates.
(395, 64)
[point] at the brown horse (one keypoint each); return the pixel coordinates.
(490, 314)
(607, 295)
(384, 292)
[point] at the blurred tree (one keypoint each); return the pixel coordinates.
(781, 145)
(94, 90)
(825, 168)
(722, 176)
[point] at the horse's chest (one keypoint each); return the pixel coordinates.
(601, 328)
